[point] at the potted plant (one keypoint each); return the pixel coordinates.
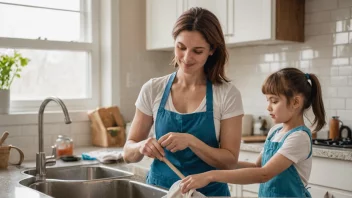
(10, 68)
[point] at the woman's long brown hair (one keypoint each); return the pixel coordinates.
(205, 22)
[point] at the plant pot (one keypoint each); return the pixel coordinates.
(4, 101)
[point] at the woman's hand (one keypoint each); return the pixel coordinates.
(195, 181)
(175, 141)
(151, 148)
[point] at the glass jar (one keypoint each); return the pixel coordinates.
(64, 146)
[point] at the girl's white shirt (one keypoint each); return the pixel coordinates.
(227, 101)
(296, 148)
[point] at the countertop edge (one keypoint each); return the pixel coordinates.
(318, 151)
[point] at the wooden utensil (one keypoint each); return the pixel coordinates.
(3, 137)
(167, 162)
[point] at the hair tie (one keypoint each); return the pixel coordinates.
(307, 76)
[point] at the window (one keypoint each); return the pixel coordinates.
(60, 37)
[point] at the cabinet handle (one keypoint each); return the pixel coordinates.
(228, 34)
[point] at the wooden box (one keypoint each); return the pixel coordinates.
(108, 127)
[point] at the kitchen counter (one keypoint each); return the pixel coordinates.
(318, 151)
(10, 177)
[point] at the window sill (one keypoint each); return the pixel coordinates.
(19, 118)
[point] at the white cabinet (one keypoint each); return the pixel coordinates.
(252, 23)
(244, 22)
(326, 192)
(161, 16)
(220, 8)
(267, 22)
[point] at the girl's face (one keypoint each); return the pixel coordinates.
(191, 51)
(279, 111)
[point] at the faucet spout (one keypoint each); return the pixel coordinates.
(41, 159)
(41, 117)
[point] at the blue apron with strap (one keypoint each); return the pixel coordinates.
(288, 183)
(199, 124)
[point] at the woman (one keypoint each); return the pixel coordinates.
(196, 112)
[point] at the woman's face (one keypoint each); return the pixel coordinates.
(191, 51)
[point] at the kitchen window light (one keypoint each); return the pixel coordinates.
(60, 37)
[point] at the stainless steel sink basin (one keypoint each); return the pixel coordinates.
(82, 173)
(118, 188)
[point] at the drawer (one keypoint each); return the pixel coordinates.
(326, 192)
(249, 194)
(251, 187)
(331, 173)
(248, 156)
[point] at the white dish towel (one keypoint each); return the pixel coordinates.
(103, 156)
(175, 192)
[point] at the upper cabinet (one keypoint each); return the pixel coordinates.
(161, 16)
(267, 22)
(218, 7)
(244, 22)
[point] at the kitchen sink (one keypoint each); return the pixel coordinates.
(82, 173)
(116, 188)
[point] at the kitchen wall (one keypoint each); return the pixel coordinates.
(326, 52)
(137, 64)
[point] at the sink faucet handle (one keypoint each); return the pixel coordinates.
(50, 162)
(53, 154)
(54, 151)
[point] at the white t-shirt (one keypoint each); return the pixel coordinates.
(296, 147)
(227, 101)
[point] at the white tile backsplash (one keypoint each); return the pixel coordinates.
(326, 52)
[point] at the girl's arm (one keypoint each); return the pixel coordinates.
(258, 163)
(137, 144)
(277, 164)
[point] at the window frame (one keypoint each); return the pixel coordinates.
(91, 47)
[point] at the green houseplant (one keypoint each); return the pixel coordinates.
(10, 68)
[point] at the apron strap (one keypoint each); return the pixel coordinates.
(209, 96)
(167, 91)
(274, 132)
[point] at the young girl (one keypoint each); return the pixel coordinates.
(284, 165)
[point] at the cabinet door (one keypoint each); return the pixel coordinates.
(249, 194)
(318, 191)
(218, 7)
(336, 194)
(252, 21)
(161, 17)
(326, 192)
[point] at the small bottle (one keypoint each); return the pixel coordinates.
(64, 146)
(334, 127)
(257, 126)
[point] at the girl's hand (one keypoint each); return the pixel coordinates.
(195, 181)
(151, 148)
(175, 141)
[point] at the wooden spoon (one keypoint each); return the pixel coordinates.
(3, 137)
(167, 162)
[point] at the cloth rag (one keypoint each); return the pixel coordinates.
(175, 192)
(103, 156)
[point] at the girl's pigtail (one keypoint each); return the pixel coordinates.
(317, 103)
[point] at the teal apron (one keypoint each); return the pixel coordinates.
(200, 125)
(288, 183)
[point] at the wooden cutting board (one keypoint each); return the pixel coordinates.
(252, 139)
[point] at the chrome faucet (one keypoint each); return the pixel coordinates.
(41, 160)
